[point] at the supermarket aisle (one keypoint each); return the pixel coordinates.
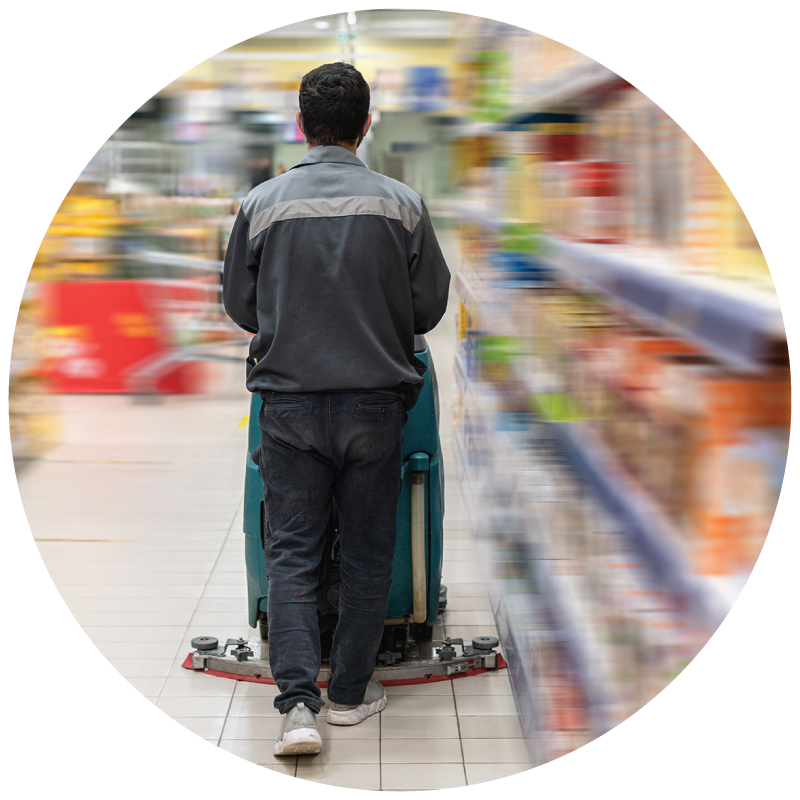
(138, 518)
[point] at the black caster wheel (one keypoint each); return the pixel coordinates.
(485, 642)
(205, 643)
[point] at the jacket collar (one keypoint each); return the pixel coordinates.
(330, 153)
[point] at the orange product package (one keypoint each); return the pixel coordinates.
(730, 503)
(642, 358)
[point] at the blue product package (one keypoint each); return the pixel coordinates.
(426, 86)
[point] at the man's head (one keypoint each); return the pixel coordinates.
(334, 106)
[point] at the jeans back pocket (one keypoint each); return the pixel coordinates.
(378, 405)
(280, 402)
(377, 402)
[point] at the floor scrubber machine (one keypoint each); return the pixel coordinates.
(413, 648)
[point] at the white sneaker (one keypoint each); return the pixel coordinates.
(299, 734)
(374, 701)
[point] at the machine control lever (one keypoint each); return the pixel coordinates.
(241, 651)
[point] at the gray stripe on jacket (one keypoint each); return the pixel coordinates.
(333, 207)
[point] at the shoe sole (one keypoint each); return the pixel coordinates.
(302, 742)
(355, 715)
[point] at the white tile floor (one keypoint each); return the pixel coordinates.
(138, 517)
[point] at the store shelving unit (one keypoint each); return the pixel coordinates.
(737, 324)
(523, 617)
(584, 79)
(742, 327)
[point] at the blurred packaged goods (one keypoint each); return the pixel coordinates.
(662, 408)
(632, 633)
(564, 140)
(33, 416)
(693, 451)
(560, 145)
(34, 420)
(426, 89)
(130, 291)
(706, 214)
(81, 240)
(493, 86)
(728, 504)
(517, 256)
(614, 168)
(743, 255)
(596, 188)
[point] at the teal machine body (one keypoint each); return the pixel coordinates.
(420, 515)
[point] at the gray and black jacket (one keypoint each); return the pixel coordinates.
(334, 268)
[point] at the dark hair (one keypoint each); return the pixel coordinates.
(334, 104)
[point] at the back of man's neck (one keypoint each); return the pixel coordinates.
(351, 147)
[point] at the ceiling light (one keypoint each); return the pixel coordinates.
(322, 25)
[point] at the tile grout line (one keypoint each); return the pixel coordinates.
(205, 586)
(460, 740)
(200, 597)
(225, 720)
(452, 687)
(225, 542)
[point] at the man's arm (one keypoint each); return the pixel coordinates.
(239, 277)
(430, 277)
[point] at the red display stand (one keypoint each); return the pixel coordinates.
(114, 337)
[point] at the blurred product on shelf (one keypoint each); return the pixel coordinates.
(421, 89)
(81, 240)
(562, 145)
(680, 464)
(616, 170)
(32, 415)
(129, 290)
(729, 502)
(596, 202)
(564, 140)
(34, 421)
(493, 85)
(517, 257)
(630, 620)
(705, 221)
(719, 236)
(674, 418)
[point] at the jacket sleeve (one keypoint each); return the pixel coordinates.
(240, 276)
(430, 277)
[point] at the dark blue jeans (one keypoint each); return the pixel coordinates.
(315, 447)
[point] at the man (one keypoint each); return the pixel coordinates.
(260, 171)
(334, 268)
